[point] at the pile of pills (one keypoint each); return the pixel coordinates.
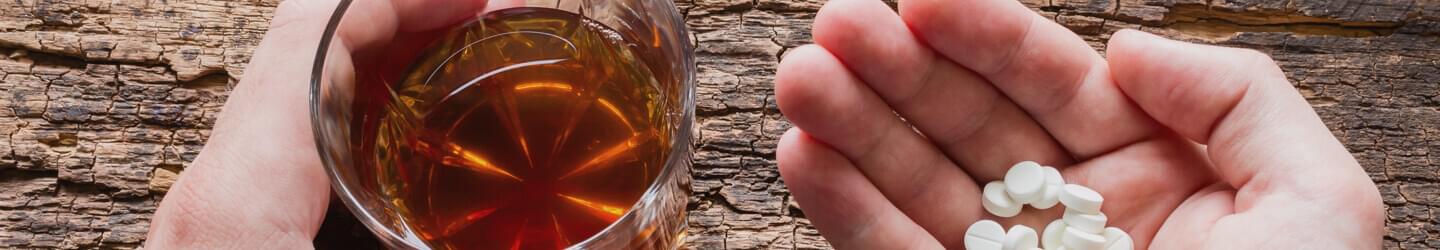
(1027, 183)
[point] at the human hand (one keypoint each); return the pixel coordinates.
(1192, 146)
(259, 183)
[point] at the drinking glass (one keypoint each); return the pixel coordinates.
(655, 221)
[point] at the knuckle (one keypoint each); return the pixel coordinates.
(1258, 58)
(1257, 63)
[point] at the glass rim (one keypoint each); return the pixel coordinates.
(680, 139)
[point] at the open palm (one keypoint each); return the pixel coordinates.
(901, 118)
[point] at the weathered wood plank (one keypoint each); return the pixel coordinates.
(103, 102)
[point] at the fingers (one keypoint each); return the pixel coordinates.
(820, 97)
(1262, 136)
(369, 24)
(846, 208)
(963, 114)
(1044, 68)
(420, 15)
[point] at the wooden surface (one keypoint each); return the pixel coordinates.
(103, 101)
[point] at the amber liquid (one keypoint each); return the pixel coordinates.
(527, 128)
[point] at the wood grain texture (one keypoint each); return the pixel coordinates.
(103, 102)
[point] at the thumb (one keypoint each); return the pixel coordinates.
(1261, 135)
(259, 183)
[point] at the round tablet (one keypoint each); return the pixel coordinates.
(1050, 239)
(1025, 181)
(986, 235)
(1021, 237)
(1088, 222)
(995, 201)
(1116, 239)
(1053, 177)
(1076, 239)
(1053, 184)
(1081, 198)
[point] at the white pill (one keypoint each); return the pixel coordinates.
(1053, 184)
(1116, 239)
(1080, 240)
(1051, 238)
(997, 202)
(1025, 182)
(1081, 198)
(1021, 237)
(1088, 222)
(984, 235)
